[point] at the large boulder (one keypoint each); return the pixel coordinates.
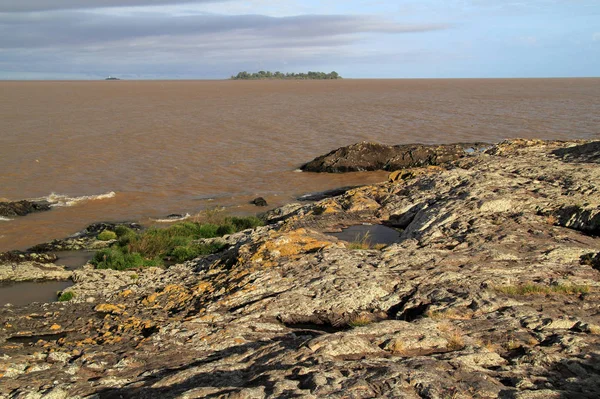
(367, 156)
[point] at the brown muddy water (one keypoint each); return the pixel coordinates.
(140, 150)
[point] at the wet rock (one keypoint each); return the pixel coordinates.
(15, 257)
(259, 201)
(96, 228)
(367, 156)
(326, 194)
(22, 208)
(86, 239)
(32, 271)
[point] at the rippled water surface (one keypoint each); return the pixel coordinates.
(151, 148)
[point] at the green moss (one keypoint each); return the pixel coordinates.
(107, 235)
(66, 296)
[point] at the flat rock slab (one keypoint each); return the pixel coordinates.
(367, 156)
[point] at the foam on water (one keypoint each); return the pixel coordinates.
(3, 219)
(173, 219)
(59, 200)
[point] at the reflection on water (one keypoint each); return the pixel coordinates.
(372, 233)
(73, 259)
(19, 294)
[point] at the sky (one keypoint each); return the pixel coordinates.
(214, 39)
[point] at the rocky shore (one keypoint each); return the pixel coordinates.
(22, 208)
(492, 290)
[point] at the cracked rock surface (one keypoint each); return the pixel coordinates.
(493, 290)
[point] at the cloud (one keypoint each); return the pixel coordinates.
(47, 5)
(201, 45)
(71, 28)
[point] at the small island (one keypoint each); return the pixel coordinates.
(112, 78)
(262, 75)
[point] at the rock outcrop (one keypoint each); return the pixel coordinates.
(367, 156)
(491, 291)
(22, 208)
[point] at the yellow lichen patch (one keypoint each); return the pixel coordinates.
(125, 293)
(287, 245)
(109, 308)
(203, 286)
(360, 202)
(326, 206)
(150, 299)
(55, 327)
(172, 296)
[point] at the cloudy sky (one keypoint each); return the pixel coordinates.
(212, 39)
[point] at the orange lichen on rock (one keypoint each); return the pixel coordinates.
(109, 308)
(287, 245)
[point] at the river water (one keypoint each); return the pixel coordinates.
(140, 150)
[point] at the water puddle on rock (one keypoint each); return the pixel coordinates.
(73, 259)
(372, 233)
(19, 294)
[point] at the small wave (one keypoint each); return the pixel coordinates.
(172, 218)
(298, 170)
(3, 219)
(59, 200)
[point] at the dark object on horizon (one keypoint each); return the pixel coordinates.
(260, 201)
(367, 156)
(22, 208)
(112, 78)
(260, 75)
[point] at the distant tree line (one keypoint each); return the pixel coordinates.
(279, 75)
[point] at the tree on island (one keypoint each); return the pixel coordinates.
(279, 75)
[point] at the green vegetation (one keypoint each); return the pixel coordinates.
(107, 235)
(176, 243)
(66, 296)
(260, 75)
(537, 289)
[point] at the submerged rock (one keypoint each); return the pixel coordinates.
(367, 156)
(22, 208)
(259, 201)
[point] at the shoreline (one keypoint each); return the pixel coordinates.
(490, 288)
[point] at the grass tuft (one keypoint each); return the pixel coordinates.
(66, 296)
(364, 242)
(361, 320)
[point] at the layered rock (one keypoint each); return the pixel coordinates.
(491, 291)
(367, 156)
